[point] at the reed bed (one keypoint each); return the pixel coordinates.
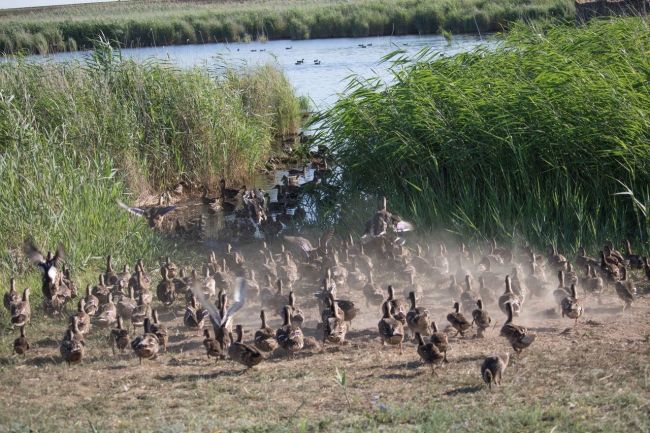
(165, 22)
(544, 138)
(76, 137)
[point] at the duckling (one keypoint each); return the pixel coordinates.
(458, 320)
(397, 308)
(391, 330)
(372, 293)
(107, 314)
(429, 353)
(439, 339)
(265, 336)
(146, 346)
(571, 306)
(194, 317)
(91, 302)
(83, 318)
(126, 305)
(242, 353)
(417, 318)
(72, 347)
(119, 337)
(518, 336)
(481, 318)
(101, 290)
(510, 298)
(493, 368)
(625, 289)
(212, 346)
(334, 327)
(468, 298)
(289, 337)
(12, 296)
(21, 345)
(297, 316)
(166, 290)
(21, 311)
(160, 330)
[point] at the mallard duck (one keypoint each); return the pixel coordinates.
(348, 309)
(481, 318)
(222, 317)
(357, 279)
(535, 282)
(166, 291)
(172, 269)
(101, 290)
(107, 314)
(110, 277)
(610, 270)
(194, 317)
(297, 316)
(209, 285)
(490, 278)
(140, 312)
(72, 347)
(625, 289)
(384, 222)
(397, 308)
(509, 297)
(154, 214)
(243, 353)
(468, 298)
(484, 292)
(613, 254)
(146, 346)
(571, 306)
(289, 337)
(21, 311)
(83, 318)
(517, 286)
(493, 368)
(91, 302)
(311, 252)
(265, 336)
(372, 293)
(558, 261)
(159, 329)
(228, 193)
(454, 289)
(212, 347)
(339, 272)
(458, 320)
(440, 339)
(518, 336)
(140, 281)
(593, 283)
(126, 305)
(562, 290)
(21, 345)
(12, 296)
(429, 353)
(391, 330)
(119, 337)
(582, 259)
(417, 318)
(334, 327)
(570, 276)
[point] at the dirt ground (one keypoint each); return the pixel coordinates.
(593, 378)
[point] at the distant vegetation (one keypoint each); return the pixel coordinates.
(140, 23)
(76, 137)
(546, 138)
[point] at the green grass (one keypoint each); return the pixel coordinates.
(535, 139)
(76, 137)
(138, 23)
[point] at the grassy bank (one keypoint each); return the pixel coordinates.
(76, 137)
(164, 22)
(534, 139)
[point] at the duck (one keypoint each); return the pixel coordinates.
(468, 298)
(160, 330)
(171, 267)
(297, 316)
(12, 296)
(481, 318)
(486, 295)
(194, 317)
(243, 353)
(212, 347)
(21, 345)
(334, 327)
(570, 276)
(83, 318)
(119, 337)
(562, 291)
(126, 305)
(348, 308)
(397, 308)
(610, 270)
(223, 316)
(265, 336)
(140, 312)
(228, 193)
(582, 259)
(625, 289)
(154, 215)
(510, 298)
(493, 367)
(518, 336)
(593, 283)
(91, 302)
(458, 320)
(440, 339)
(634, 260)
(107, 314)
(612, 253)
(72, 347)
(101, 290)
(535, 282)
(357, 279)
(372, 293)
(166, 291)
(429, 353)
(123, 279)
(571, 306)
(454, 289)
(417, 318)
(209, 285)
(557, 261)
(21, 311)
(109, 275)
(147, 345)
(289, 337)
(391, 330)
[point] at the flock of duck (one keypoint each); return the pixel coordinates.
(337, 278)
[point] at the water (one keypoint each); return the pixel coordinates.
(339, 58)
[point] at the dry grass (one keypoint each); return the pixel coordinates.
(594, 379)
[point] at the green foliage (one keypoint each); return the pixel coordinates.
(167, 22)
(533, 139)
